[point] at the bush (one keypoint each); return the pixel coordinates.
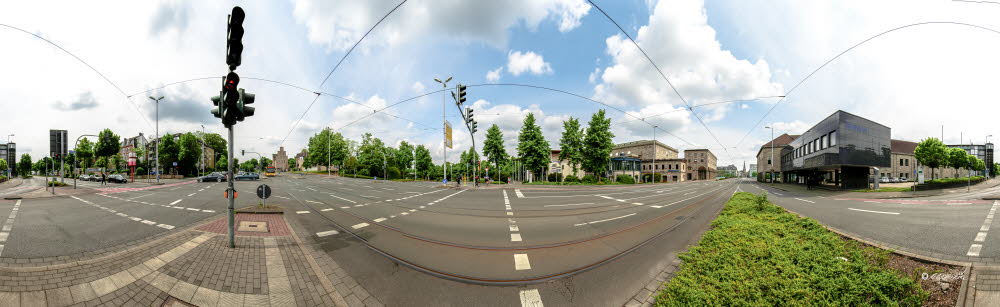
(625, 179)
(555, 177)
(572, 179)
(654, 177)
(393, 172)
(756, 254)
(589, 179)
(954, 180)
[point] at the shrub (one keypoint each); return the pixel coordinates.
(572, 178)
(654, 177)
(625, 179)
(393, 172)
(589, 179)
(555, 177)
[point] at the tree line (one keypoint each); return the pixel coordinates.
(932, 153)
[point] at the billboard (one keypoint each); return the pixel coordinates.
(447, 134)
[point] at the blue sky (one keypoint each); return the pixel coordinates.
(913, 80)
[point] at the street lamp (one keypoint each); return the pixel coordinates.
(444, 149)
(157, 102)
(771, 162)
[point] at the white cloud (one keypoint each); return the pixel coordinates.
(592, 78)
(339, 24)
(744, 106)
(680, 41)
(518, 63)
(418, 87)
(494, 75)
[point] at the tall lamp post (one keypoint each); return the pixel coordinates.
(444, 128)
(771, 163)
(157, 102)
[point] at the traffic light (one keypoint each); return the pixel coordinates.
(468, 114)
(217, 102)
(244, 109)
(459, 96)
(243, 152)
(234, 38)
(230, 99)
(474, 126)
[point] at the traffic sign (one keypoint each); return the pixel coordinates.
(263, 191)
(175, 163)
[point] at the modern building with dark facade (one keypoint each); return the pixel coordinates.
(9, 152)
(841, 150)
(983, 152)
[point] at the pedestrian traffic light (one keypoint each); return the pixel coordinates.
(245, 99)
(459, 96)
(234, 38)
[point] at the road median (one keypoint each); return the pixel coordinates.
(759, 254)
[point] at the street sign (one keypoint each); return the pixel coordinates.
(175, 163)
(263, 191)
(447, 134)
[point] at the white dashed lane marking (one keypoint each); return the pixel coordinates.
(359, 226)
(872, 211)
(521, 262)
(808, 201)
(326, 233)
(8, 225)
(605, 220)
(531, 298)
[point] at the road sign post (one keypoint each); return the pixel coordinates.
(263, 192)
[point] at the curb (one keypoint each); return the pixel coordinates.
(965, 286)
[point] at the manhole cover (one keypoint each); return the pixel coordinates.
(252, 226)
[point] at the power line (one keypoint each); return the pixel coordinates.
(852, 48)
(661, 75)
(704, 105)
(129, 98)
(342, 61)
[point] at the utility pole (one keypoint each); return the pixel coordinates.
(653, 176)
(157, 102)
(328, 172)
(444, 130)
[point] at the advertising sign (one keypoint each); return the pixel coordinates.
(447, 134)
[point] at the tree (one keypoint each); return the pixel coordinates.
(222, 165)
(532, 147)
(425, 164)
(169, 150)
(218, 144)
(265, 162)
(932, 153)
(85, 152)
(292, 163)
(404, 156)
(571, 144)
(188, 153)
(117, 163)
(3, 165)
(108, 144)
(597, 143)
(493, 146)
(957, 158)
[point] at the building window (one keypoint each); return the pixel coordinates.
(822, 142)
(768, 161)
(907, 162)
(833, 138)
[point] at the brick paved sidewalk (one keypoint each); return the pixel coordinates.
(195, 267)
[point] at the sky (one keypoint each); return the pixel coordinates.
(935, 70)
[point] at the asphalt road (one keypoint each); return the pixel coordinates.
(416, 243)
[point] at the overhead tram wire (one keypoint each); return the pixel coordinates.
(285, 84)
(129, 98)
(852, 48)
(704, 105)
(338, 66)
(672, 87)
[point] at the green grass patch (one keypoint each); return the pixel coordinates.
(757, 254)
(887, 189)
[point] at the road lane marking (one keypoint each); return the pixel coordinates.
(379, 220)
(315, 202)
(359, 226)
(974, 250)
(521, 262)
(531, 298)
(870, 201)
(326, 233)
(808, 201)
(980, 237)
(513, 228)
(518, 193)
(515, 237)
(192, 209)
(165, 226)
(657, 207)
(882, 212)
(208, 211)
(404, 213)
(175, 202)
(637, 204)
(959, 203)
(302, 212)
(776, 194)
(327, 209)
(605, 220)
(192, 194)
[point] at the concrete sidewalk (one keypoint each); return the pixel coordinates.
(194, 266)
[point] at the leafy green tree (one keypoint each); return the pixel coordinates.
(292, 164)
(532, 147)
(493, 146)
(169, 151)
(218, 144)
(370, 155)
(117, 163)
(222, 164)
(188, 153)
(425, 165)
(265, 162)
(3, 165)
(102, 162)
(932, 153)
(108, 144)
(598, 144)
(957, 158)
(85, 152)
(351, 163)
(404, 156)
(571, 144)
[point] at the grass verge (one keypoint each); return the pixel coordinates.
(760, 255)
(887, 189)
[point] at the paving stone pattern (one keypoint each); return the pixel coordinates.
(275, 223)
(215, 266)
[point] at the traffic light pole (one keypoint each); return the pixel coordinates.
(231, 192)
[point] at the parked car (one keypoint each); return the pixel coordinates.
(117, 178)
(212, 177)
(84, 177)
(247, 176)
(96, 178)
